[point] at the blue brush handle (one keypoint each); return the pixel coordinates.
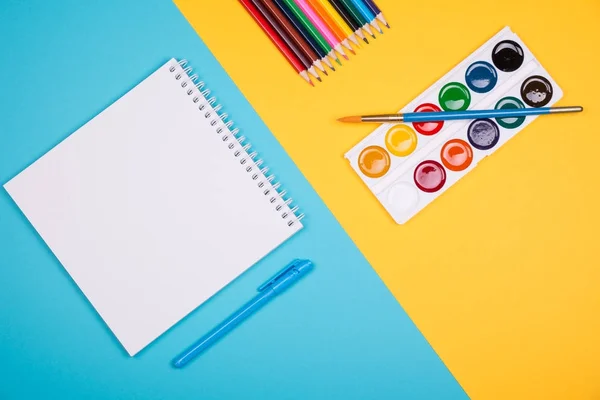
(474, 114)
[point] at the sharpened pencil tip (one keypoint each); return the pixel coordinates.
(352, 51)
(319, 79)
(311, 83)
(332, 68)
(387, 25)
(366, 41)
(338, 61)
(374, 37)
(350, 119)
(346, 57)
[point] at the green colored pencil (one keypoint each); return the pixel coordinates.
(357, 16)
(312, 30)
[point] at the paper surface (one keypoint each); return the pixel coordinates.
(149, 209)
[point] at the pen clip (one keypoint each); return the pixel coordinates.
(279, 274)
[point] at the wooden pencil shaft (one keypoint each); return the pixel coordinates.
(272, 34)
(281, 32)
(365, 11)
(336, 17)
(301, 29)
(373, 7)
(350, 20)
(318, 23)
(314, 32)
(377, 11)
(322, 13)
(354, 11)
(289, 28)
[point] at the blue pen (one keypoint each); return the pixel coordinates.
(267, 291)
(454, 115)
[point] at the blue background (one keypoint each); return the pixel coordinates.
(338, 333)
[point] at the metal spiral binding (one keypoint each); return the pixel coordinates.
(200, 96)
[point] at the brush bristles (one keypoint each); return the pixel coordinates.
(350, 119)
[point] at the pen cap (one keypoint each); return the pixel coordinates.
(287, 275)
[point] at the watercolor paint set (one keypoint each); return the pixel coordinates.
(407, 166)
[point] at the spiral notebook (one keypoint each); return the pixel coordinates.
(155, 205)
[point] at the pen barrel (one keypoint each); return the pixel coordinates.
(277, 284)
(222, 329)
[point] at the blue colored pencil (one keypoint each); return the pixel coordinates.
(377, 11)
(367, 13)
(454, 115)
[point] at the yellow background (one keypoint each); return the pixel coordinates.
(502, 272)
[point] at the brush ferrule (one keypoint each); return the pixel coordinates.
(558, 110)
(384, 118)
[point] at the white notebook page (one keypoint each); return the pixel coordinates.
(149, 210)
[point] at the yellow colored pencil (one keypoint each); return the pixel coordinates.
(339, 21)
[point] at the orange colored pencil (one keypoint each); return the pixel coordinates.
(339, 21)
(338, 33)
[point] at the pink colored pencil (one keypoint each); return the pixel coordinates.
(321, 26)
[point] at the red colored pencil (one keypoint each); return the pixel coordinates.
(258, 4)
(294, 34)
(277, 40)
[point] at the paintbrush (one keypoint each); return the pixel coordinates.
(454, 115)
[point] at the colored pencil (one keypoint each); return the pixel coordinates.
(356, 15)
(298, 40)
(277, 40)
(339, 34)
(321, 26)
(287, 40)
(369, 16)
(305, 34)
(314, 32)
(339, 21)
(347, 17)
(436, 116)
(377, 11)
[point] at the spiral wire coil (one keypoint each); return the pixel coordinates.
(206, 105)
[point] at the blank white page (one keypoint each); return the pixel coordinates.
(149, 209)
